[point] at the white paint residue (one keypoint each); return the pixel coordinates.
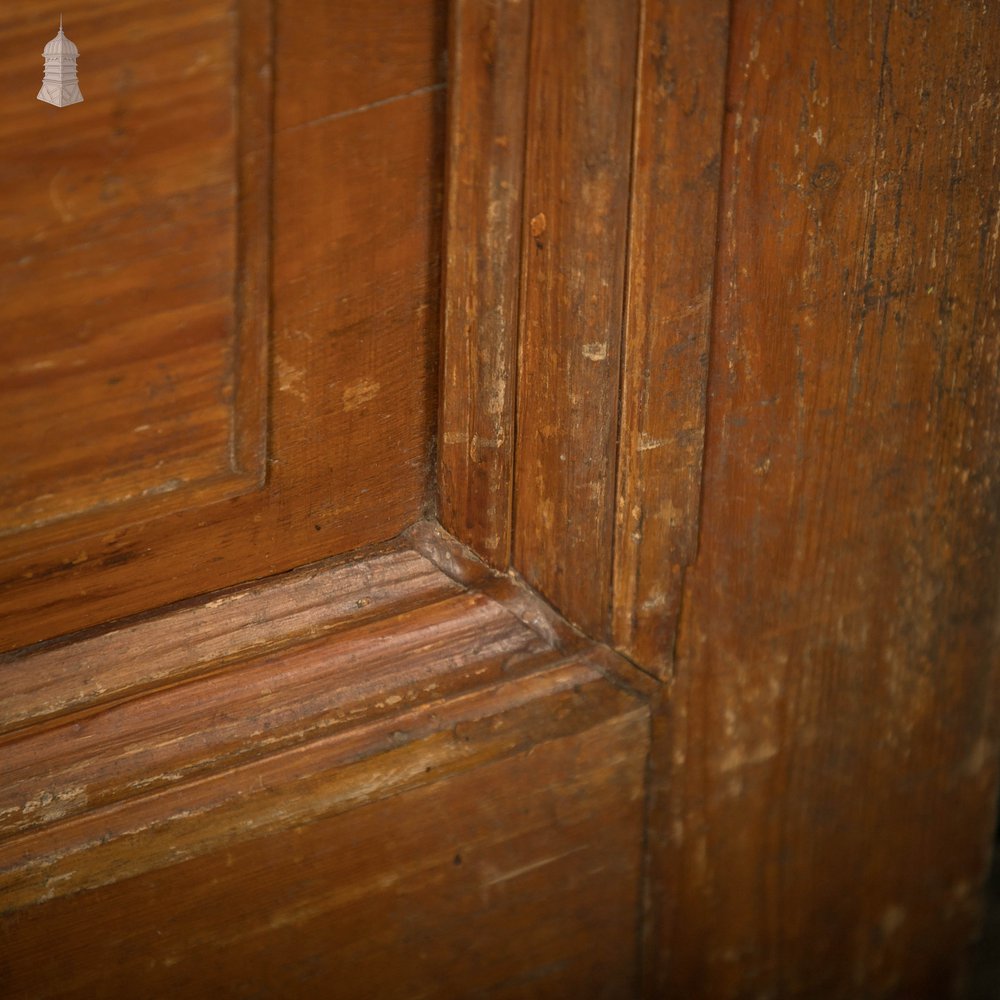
(649, 443)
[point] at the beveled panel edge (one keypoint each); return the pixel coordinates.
(169, 645)
(419, 745)
(467, 567)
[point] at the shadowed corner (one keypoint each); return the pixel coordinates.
(984, 972)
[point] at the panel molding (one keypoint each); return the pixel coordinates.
(575, 337)
(577, 174)
(323, 709)
(347, 402)
(668, 312)
(487, 93)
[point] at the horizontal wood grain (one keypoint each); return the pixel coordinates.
(55, 678)
(370, 730)
(376, 895)
(163, 737)
(128, 353)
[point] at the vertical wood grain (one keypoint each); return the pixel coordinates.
(672, 234)
(580, 102)
(827, 798)
(255, 67)
(488, 78)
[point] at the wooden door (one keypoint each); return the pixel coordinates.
(390, 773)
(715, 401)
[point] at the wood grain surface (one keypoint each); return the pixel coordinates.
(828, 790)
(671, 257)
(118, 273)
(487, 83)
(384, 52)
(353, 344)
(746, 257)
(386, 899)
(583, 56)
(58, 677)
(387, 782)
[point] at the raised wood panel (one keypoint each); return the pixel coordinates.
(472, 893)
(488, 77)
(384, 781)
(132, 354)
(576, 185)
(668, 308)
(352, 349)
(830, 762)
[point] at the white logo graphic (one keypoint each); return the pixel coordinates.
(59, 86)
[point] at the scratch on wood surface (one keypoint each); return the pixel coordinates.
(57, 199)
(497, 877)
(349, 112)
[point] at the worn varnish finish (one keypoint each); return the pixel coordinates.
(573, 349)
(281, 696)
(387, 899)
(672, 239)
(488, 57)
(463, 565)
(390, 784)
(583, 55)
(826, 760)
(92, 669)
(356, 212)
(828, 793)
(412, 771)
